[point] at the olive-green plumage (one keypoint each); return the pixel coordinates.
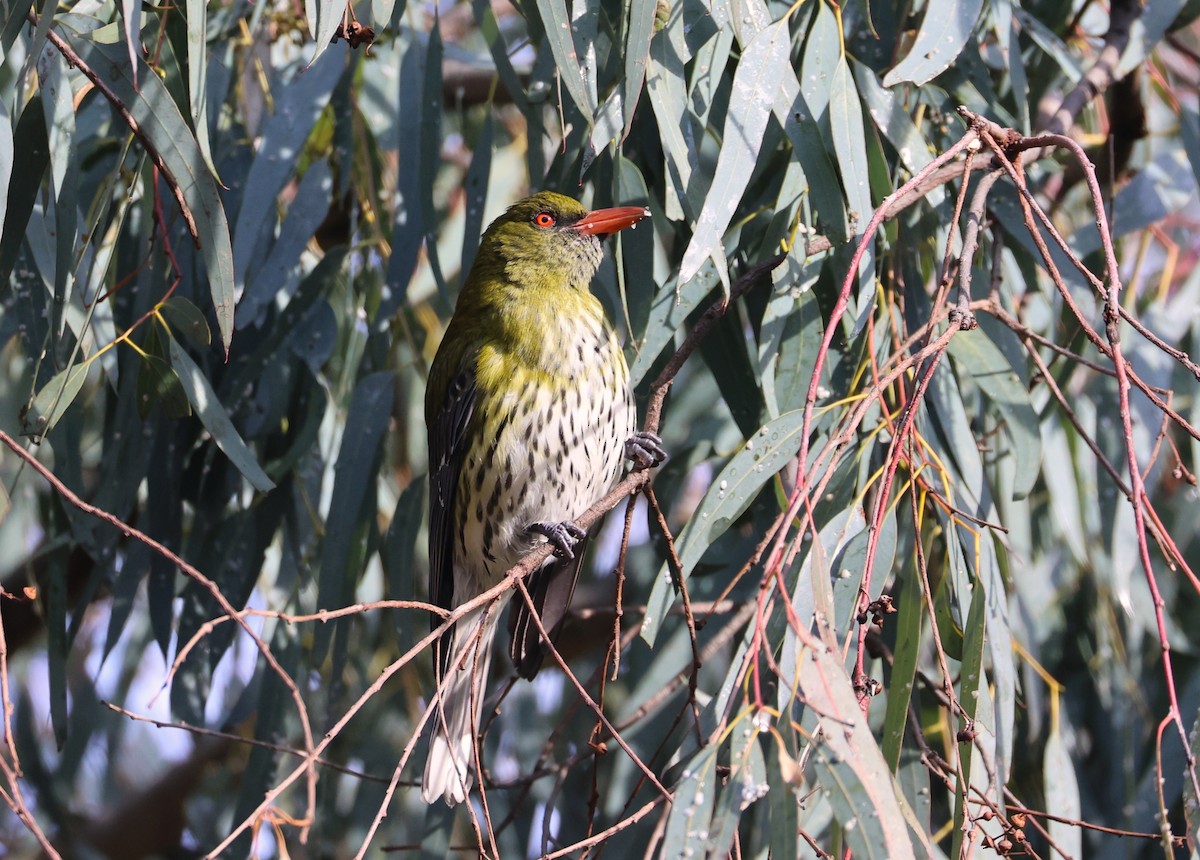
(529, 411)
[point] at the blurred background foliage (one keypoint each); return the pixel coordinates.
(231, 242)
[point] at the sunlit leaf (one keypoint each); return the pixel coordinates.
(731, 493)
(945, 29)
(754, 86)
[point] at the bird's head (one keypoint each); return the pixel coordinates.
(549, 239)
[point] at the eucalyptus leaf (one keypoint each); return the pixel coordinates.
(754, 87)
(945, 29)
(215, 419)
(737, 485)
(159, 387)
(164, 127)
(187, 320)
(48, 407)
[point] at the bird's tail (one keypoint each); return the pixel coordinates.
(463, 683)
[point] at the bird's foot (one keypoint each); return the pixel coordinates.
(645, 450)
(562, 536)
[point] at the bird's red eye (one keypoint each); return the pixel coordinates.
(543, 219)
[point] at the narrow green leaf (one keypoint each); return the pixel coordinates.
(890, 117)
(6, 163)
(1049, 42)
(187, 320)
(755, 84)
(475, 187)
(197, 69)
(709, 72)
(216, 420)
(637, 54)
(971, 680)
(305, 214)
(668, 98)
(167, 131)
(1062, 790)
(54, 590)
(296, 111)
(357, 464)
(159, 386)
(975, 355)
(400, 554)
(408, 232)
(329, 16)
(731, 493)
(490, 30)
(850, 147)
(430, 143)
(691, 811)
(14, 23)
(960, 448)
(945, 29)
(57, 94)
(848, 762)
(799, 340)
(52, 401)
(668, 312)
(905, 656)
(785, 823)
(566, 57)
(746, 783)
(131, 18)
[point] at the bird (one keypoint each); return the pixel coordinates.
(530, 416)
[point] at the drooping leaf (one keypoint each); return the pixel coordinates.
(1062, 793)
(637, 55)
(370, 409)
(731, 493)
(329, 16)
(159, 387)
(977, 356)
(945, 29)
(566, 58)
(197, 70)
(283, 136)
(187, 320)
(691, 811)
(475, 186)
(849, 763)
(215, 419)
(60, 132)
(164, 127)
(754, 91)
(52, 401)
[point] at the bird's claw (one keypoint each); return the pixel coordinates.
(562, 536)
(645, 450)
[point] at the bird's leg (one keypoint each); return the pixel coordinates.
(562, 536)
(645, 449)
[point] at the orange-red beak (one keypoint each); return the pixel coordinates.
(605, 222)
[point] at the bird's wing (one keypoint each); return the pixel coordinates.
(447, 448)
(551, 587)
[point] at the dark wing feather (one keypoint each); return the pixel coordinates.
(551, 587)
(447, 448)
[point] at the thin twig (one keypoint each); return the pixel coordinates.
(206, 583)
(64, 48)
